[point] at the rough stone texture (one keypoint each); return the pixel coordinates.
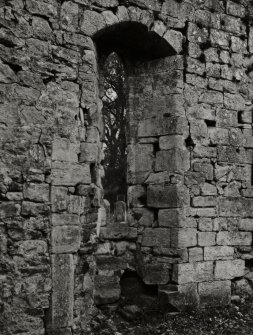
(217, 293)
(189, 155)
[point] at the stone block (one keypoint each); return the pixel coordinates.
(195, 66)
(246, 224)
(34, 209)
(162, 126)
(65, 219)
(217, 293)
(76, 204)
(41, 29)
(242, 288)
(229, 269)
(207, 201)
(70, 174)
(251, 40)
(122, 13)
(9, 209)
(230, 207)
(155, 237)
(175, 39)
(218, 253)
(59, 199)
(204, 166)
(234, 101)
(196, 255)
(183, 237)
(153, 274)
(171, 142)
(92, 22)
(204, 212)
(205, 224)
(164, 196)
(181, 297)
(62, 331)
(208, 189)
(110, 263)
(137, 196)
(235, 9)
(234, 238)
(196, 34)
(174, 218)
(206, 238)
(107, 289)
(193, 272)
(140, 161)
(65, 239)
(175, 255)
(144, 216)
(63, 292)
(64, 150)
(110, 18)
(119, 231)
(88, 153)
(172, 160)
(47, 8)
(212, 98)
(36, 192)
(219, 38)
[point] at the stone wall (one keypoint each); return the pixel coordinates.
(189, 226)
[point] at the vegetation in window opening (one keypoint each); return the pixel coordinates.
(114, 113)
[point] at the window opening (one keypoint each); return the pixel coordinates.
(114, 114)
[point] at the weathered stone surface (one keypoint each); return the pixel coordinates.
(217, 252)
(64, 150)
(196, 255)
(183, 237)
(37, 192)
(193, 272)
(217, 293)
(154, 237)
(234, 238)
(175, 39)
(181, 297)
(229, 269)
(70, 174)
(166, 126)
(189, 125)
(140, 161)
(246, 225)
(164, 196)
(34, 209)
(63, 294)
(9, 209)
(119, 231)
(69, 16)
(172, 160)
(92, 22)
(175, 218)
(156, 274)
(107, 289)
(65, 239)
(89, 153)
(206, 238)
(59, 199)
(65, 219)
(242, 288)
(137, 196)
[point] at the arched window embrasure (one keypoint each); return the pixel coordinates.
(115, 125)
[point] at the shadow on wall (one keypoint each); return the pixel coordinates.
(132, 41)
